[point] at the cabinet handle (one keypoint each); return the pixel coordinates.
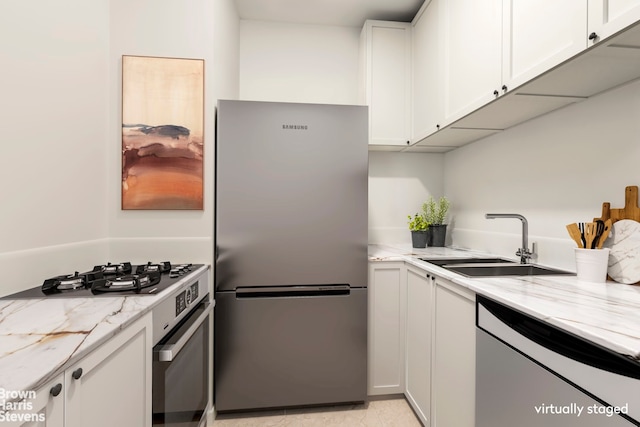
(76, 374)
(504, 88)
(496, 93)
(438, 127)
(55, 390)
(408, 142)
(593, 37)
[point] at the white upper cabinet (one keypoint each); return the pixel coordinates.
(472, 40)
(427, 75)
(607, 17)
(538, 35)
(386, 73)
(481, 67)
(495, 46)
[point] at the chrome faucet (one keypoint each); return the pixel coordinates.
(524, 253)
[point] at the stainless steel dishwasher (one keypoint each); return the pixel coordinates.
(530, 373)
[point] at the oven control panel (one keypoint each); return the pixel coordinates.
(186, 297)
(190, 290)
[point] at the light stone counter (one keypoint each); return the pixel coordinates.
(39, 338)
(607, 314)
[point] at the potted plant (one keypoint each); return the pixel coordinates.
(418, 227)
(435, 213)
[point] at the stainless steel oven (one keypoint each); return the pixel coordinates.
(181, 361)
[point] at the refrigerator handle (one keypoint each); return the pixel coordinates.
(292, 291)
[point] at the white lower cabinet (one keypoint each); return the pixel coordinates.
(418, 342)
(109, 387)
(387, 308)
(112, 385)
(422, 342)
(454, 364)
(39, 408)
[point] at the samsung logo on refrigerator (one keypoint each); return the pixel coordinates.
(295, 127)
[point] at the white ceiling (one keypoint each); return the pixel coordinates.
(350, 13)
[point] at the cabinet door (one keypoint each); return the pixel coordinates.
(387, 88)
(112, 385)
(428, 106)
(538, 35)
(607, 17)
(454, 355)
(473, 52)
(40, 408)
(418, 347)
(387, 312)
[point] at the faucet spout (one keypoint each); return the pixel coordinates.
(523, 252)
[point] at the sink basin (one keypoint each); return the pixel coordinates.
(453, 261)
(505, 270)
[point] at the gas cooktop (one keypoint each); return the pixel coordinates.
(111, 279)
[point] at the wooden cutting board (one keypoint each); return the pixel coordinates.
(631, 211)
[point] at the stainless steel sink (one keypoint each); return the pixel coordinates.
(505, 270)
(441, 262)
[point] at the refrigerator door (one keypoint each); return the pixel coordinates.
(291, 194)
(290, 346)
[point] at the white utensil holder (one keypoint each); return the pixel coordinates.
(591, 264)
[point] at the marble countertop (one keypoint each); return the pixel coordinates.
(607, 314)
(39, 338)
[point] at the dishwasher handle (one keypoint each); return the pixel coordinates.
(559, 341)
(292, 291)
(168, 352)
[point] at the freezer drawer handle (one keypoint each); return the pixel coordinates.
(166, 353)
(292, 291)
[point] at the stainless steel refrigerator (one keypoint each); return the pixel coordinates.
(291, 255)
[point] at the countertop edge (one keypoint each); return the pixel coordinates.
(105, 327)
(505, 291)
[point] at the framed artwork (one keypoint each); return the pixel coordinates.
(162, 133)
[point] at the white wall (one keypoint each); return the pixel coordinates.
(399, 183)
(555, 170)
(167, 28)
(226, 50)
(60, 170)
(53, 111)
(298, 63)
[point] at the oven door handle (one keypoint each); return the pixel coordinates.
(168, 352)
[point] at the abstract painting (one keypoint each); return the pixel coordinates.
(162, 133)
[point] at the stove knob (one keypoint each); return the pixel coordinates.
(188, 296)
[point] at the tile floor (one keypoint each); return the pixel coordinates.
(393, 412)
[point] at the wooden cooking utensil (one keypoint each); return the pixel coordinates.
(575, 234)
(605, 233)
(590, 233)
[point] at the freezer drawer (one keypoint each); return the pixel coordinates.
(290, 346)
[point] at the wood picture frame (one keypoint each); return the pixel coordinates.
(162, 133)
